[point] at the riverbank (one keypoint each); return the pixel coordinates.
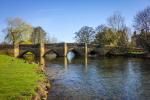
(21, 81)
(133, 54)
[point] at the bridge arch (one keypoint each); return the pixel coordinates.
(93, 53)
(24, 52)
(76, 52)
(53, 52)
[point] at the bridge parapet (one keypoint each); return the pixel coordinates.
(29, 45)
(54, 45)
(75, 44)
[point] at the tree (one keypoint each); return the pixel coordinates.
(144, 39)
(50, 39)
(100, 28)
(122, 37)
(17, 30)
(108, 36)
(142, 20)
(104, 35)
(142, 25)
(116, 22)
(38, 35)
(85, 35)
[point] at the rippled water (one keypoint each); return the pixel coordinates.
(99, 78)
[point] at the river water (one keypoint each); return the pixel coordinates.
(113, 78)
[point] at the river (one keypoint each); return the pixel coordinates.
(113, 78)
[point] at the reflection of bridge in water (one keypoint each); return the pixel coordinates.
(65, 62)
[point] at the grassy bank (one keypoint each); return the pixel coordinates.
(18, 80)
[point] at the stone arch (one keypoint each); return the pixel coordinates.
(24, 52)
(93, 53)
(76, 52)
(53, 51)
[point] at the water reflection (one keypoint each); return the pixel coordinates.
(65, 63)
(70, 56)
(86, 63)
(99, 78)
(50, 55)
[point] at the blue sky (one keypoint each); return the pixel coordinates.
(61, 18)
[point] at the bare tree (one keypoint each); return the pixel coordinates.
(116, 22)
(115, 34)
(142, 25)
(51, 39)
(85, 35)
(100, 28)
(17, 30)
(142, 20)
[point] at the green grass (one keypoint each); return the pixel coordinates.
(136, 53)
(18, 80)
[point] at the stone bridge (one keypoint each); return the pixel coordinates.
(61, 49)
